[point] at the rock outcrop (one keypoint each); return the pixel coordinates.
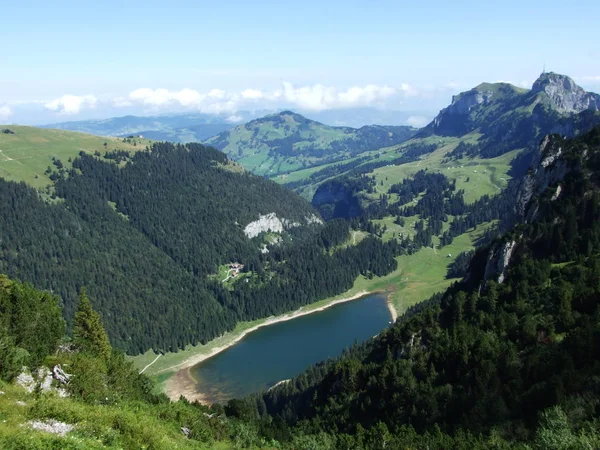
(498, 261)
(547, 169)
(267, 222)
(271, 223)
(44, 380)
(565, 95)
(51, 426)
(464, 102)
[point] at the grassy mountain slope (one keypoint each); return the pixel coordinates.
(26, 154)
(484, 123)
(284, 142)
(105, 403)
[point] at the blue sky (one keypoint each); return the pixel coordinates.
(65, 60)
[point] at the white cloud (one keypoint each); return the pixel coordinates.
(409, 90)
(153, 97)
(5, 112)
(234, 119)
(417, 121)
(217, 93)
(71, 104)
(252, 94)
(121, 102)
(318, 97)
(315, 97)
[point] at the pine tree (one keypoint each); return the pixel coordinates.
(88, 332)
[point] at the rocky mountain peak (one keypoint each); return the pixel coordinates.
(564, 94)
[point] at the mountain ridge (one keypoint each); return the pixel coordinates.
(285, 141)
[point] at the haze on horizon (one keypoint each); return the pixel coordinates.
(68, 61)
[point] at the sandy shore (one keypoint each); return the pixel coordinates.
(392, 309)
(183, 384)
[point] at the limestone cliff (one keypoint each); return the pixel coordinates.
(564, 95)
(547, 169)
(498, 260)
(270, 222)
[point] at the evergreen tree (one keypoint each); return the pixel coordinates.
(88, 332)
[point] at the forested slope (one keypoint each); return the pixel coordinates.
(148, 234)
(511, 353)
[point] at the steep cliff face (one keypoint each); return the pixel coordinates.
(564, 95)
(464, 103)
(510, 117)
(270, 222)
(498, 260)
(467, 109)
(548, 177)
(548, 168)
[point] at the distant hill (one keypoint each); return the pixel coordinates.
(286, 141)
(359, 117)
(175, 128)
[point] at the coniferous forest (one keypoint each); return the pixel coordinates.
(146, 238)
(497, 361)
(507, 358)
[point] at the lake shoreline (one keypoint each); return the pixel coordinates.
(182, 383)
(391, 307)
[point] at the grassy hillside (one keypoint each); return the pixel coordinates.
(26, 154)
(286, 142)
(486, 176)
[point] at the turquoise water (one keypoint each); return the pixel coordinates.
(283, 350)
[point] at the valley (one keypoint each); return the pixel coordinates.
(309, 226)
(202, 264)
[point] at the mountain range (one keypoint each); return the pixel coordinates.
(174, 128)
(506, 358)
(492, 125)
(196, 127)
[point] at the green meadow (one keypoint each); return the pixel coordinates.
(26, 154)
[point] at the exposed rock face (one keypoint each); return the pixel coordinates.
(566, 96)
(547, 169)
(25, 380)
(464, 102)
(313, 219)
(43, 380)
(267, 222)
(498, 261)
(51, 426)
(270, 222)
